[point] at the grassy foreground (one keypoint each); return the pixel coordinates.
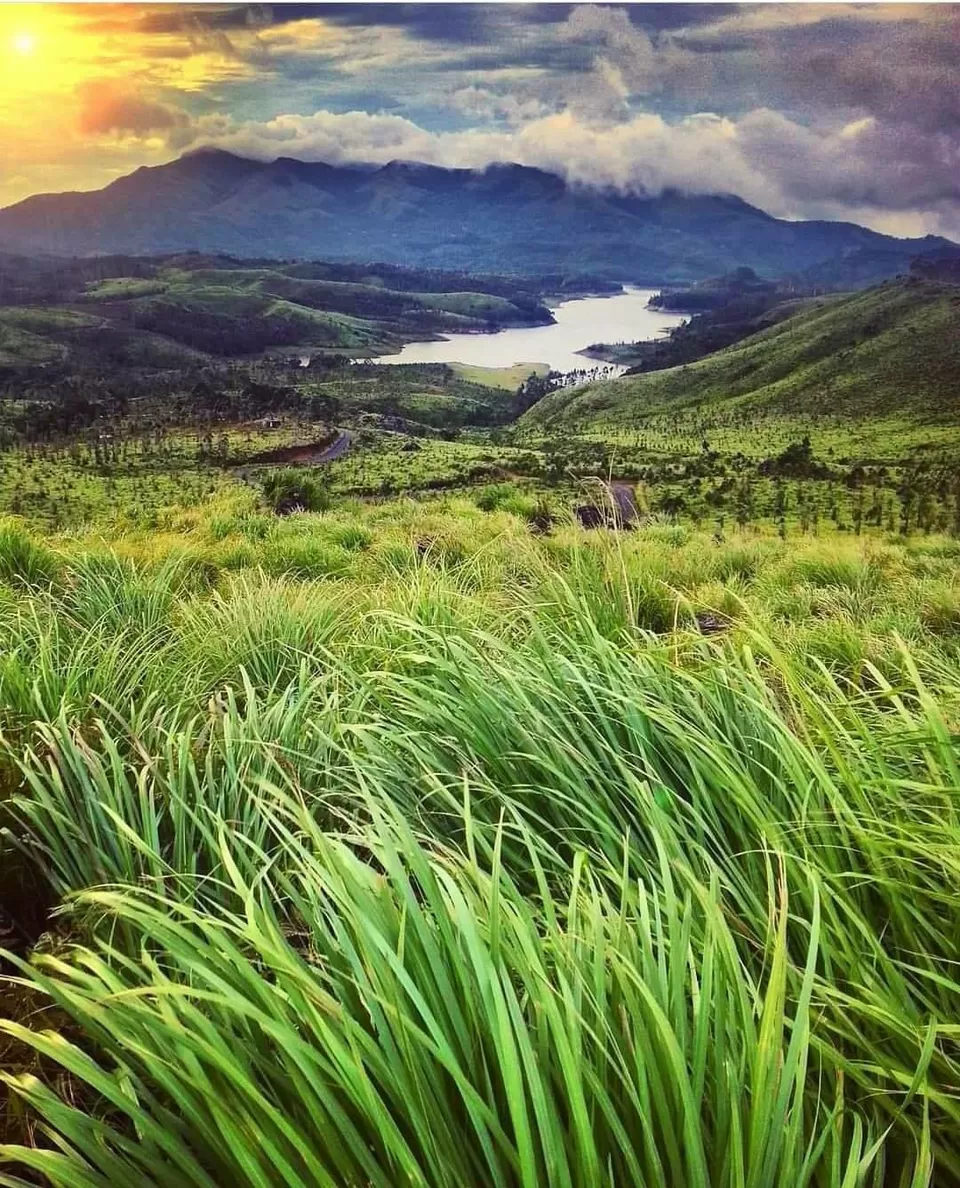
(407, 848)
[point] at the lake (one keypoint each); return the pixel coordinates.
(580, 323)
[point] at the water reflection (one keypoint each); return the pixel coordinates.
(579, 323)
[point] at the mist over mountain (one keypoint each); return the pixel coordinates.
(507, 218)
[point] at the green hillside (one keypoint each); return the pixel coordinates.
(877, 369)
(148, 312)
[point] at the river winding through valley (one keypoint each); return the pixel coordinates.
(581, 322)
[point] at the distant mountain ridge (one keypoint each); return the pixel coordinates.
(505, 218)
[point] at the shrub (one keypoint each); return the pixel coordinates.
(493, 497)
(288, 490)
(305, 557)
(23, 560)
(352, 537)
(940, 609)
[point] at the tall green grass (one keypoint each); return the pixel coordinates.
(417, 877)
(429, 1022)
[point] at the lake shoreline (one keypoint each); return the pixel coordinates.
(553, 301)
(579, 323)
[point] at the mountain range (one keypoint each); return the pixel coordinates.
(505, 218)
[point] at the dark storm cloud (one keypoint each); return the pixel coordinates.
(472, 24)
(676, 16)
(452, 24)
(857, 59)
(466, 24)
(226, 17)
(889, 167)
(909, 72)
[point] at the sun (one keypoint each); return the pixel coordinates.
(24, 44)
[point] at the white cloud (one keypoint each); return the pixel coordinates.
(486, 104)
(785, 167)
(863, 129)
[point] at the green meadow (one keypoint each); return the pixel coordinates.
(401, 844)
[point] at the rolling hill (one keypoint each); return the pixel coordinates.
(879, 368)
(158, 312)
(506, 218)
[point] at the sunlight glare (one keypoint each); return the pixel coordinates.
(24, 43)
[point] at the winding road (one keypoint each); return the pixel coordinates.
(336, 449)
(299, 455)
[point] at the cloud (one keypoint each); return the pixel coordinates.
(745, 20)
(105, 108)
(781, 165)
(449, 24)
(889, 166)
(608, 29)
(485, 104)
(821, 110)
(896, 61)
(909, 73)
(624, 62)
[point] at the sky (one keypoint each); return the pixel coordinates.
(838, 111)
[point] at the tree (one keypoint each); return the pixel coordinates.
(673, 505)
(926, 510)
(956, 505)
(858, 511)
(744, 503)
(908, 502)
(874, 515)
(556, 458)
(324, 407)
(780, 508)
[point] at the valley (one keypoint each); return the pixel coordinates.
(479, 595)
(826, 412)
(357, 651)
